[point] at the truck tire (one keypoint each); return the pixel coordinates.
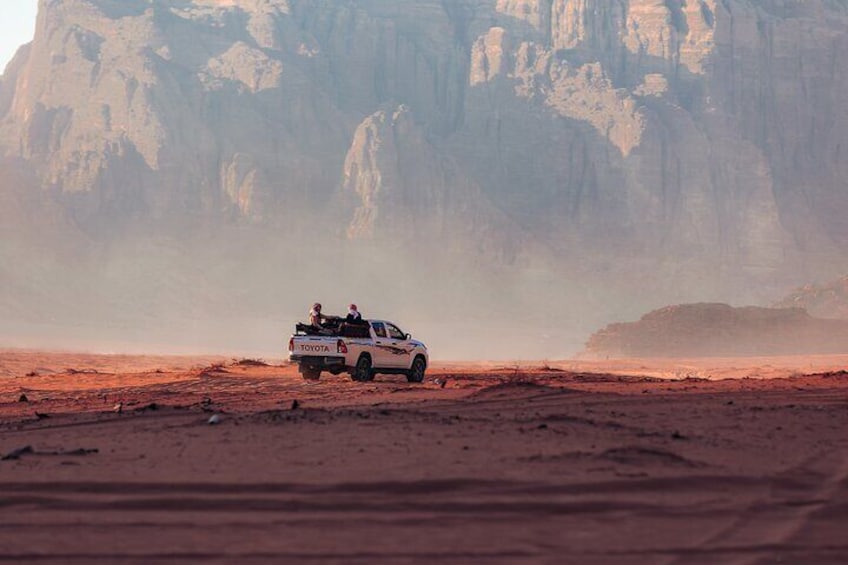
(416, 372)
(362, 372)
(310, 373)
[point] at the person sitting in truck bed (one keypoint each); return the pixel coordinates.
(319, 324)
(353, 325)
(353, 314)
(316, 318)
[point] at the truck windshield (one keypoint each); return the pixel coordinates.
(394, 332)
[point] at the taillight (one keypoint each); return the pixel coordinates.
(291, 344)
(341, 346)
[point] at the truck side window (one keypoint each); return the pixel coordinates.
(380, 330)
(395, 333)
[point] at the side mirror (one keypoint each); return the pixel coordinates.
(408, 337)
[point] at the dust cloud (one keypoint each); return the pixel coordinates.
(239, 290)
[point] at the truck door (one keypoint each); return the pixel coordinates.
(400, 348)
(382, 355)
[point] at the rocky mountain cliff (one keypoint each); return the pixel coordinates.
(689, 149)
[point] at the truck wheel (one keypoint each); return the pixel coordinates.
(363, 372)
(310, 373)
(416, 373)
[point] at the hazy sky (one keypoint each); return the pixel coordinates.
(17, 25)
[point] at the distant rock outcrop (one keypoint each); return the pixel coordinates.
(823, 301)
(719, 330)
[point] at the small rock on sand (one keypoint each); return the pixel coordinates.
(16, 453)
(214, 420)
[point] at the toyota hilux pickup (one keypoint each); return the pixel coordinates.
(361, 349)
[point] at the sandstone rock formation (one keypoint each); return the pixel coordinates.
(682, 149)
(397, 184)
(828, 300)
(718, 330)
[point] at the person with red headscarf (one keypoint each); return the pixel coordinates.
(353, 314)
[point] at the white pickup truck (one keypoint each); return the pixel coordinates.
(362, 350)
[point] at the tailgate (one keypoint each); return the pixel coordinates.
(309, 345)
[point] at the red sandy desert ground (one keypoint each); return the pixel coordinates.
(641, 461)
